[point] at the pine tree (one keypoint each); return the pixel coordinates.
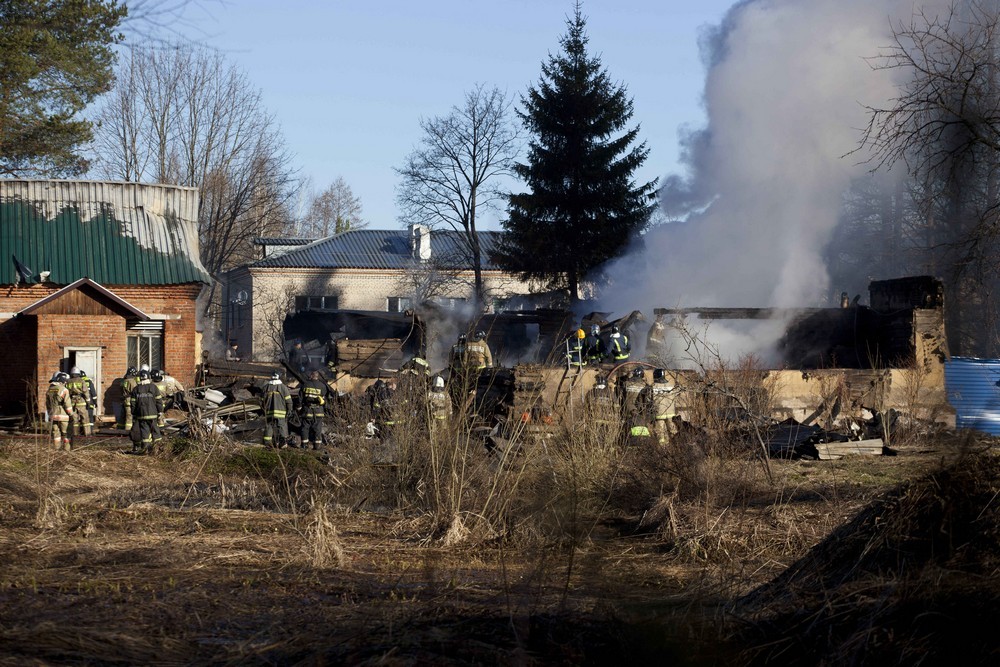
(56, 56)
(581, 208)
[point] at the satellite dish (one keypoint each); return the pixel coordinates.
(242, 298)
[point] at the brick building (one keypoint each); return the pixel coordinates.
(99, 275)
(374, 270)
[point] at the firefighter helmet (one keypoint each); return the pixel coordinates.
(74, 372)
(275, 375)
(156, 375)
(144, 367)
(56, 377)
(581, 334)
(615, 329)
(601, 383)
(438, 382)
(659, 375)
(637, 373)
(480, 335)
(131, 371)
(595, 329)
(462, 338)
(143, 374)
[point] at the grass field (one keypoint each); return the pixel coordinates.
(566, 553)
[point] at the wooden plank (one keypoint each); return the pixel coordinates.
(831, 451)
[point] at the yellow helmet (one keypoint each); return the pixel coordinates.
(581, 334)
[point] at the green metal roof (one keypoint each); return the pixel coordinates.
(113, 233)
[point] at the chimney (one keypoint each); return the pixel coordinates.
(420, 242)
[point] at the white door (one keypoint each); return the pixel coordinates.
(88, 360)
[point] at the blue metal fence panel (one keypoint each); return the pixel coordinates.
(973, 387)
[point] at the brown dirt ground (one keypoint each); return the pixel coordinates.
(116, 559)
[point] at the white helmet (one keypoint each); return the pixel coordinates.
(438, 382)
(144, 367)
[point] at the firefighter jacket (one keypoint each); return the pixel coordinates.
(171, 386)
(657, 337)
(314, 395)
(477, 356)
(619, 347)
(594, 349)
(660, 401)
(457, 356)
(277, 400)
(439, 405)
(91, 391)
(78, 391)
(146, 401)
(58, 402)
(628, 393)
(601, 405)
(128, 385)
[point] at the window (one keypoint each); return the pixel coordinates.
(315, 303)
(399, 304)
(449, 302)
(144, 343)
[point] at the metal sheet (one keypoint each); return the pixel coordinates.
(973, 388)
(114, 233)
(381, 249)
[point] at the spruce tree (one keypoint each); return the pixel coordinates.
(582, 207)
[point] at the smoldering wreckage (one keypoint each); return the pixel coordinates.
(849, 375)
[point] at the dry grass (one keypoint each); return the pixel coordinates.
(570, 548)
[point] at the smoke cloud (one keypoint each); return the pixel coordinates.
(785, 91)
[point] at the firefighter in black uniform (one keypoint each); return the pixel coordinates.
(147, 407)
(277, 404)
(314, 395)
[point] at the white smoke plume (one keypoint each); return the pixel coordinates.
(785, 92)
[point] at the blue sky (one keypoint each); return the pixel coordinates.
(348, 81)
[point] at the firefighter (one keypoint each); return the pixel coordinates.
(92, 396)
(297, 357)
(59, 406)
(439, 407)
(575, 355)
(314, 394)
(478, 356)
(594, 347)
(660, 402)
(277, 404)
(128, 384)
(172, 390)
(79, 423)
(619, 347)
(457, 355)
(147, 409)
(158, 379)
(602, 411)
(629, 390)
(656, 338)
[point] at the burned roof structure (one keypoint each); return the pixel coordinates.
(902, 325)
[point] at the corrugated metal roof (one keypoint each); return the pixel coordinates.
(114, 233)
(973, 387)
(381, 249)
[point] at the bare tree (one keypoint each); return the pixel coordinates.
(337, 209)
(163, 21)
(185, 116)
(457, 168)
(944, 126)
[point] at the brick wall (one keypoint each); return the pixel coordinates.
(39, 340)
